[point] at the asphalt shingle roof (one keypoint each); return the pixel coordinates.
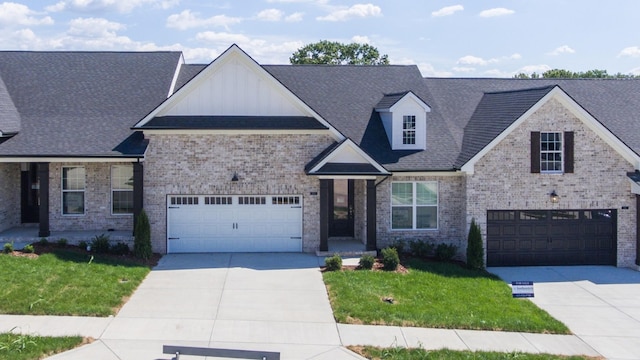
(9, 116)
(82, 103)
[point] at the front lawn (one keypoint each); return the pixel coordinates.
(67, 282)
(26, 347)
(420, 354)
(435, 295)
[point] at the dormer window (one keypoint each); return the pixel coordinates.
(404, 117)
(409, 130)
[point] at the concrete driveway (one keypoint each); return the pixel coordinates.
(600, 304)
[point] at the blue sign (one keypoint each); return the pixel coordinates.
(522, 289)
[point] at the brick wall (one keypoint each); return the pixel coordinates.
(9, 195)
(204, 164)
(502, 179)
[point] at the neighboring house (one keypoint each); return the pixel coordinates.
(238, 156)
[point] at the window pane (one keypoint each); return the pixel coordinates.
(123, 202)
(122, 177)
(427, 217)
(426, 193)
(402, 217)
(402, 194)
(73, 178)
(73, 203)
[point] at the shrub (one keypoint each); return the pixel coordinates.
(420, 248)
(100, 244)
(43, 242)
(333, 263)
(8, 248)
(446, 252)
(475, 252)
(62, 242)
(390, 259)
(366, 262)
(399, 245)
(28, 249)
(142, 237)
(83, 245)
(120, 248)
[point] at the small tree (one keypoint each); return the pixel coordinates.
(142, 234)
(475, 252)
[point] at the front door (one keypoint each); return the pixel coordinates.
(341, 208)
(30, 194)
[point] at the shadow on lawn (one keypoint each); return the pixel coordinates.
(446, 268)
(77, 255)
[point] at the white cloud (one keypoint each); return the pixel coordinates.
(188, 20)
(265, 51)
(355, 11)
(496, 73)
(463, 69)
(94, 28)
(447, 10)
(632, 51)
(478, 61)
(635, 71)
(496, 12)
(270, 15)
(19, 14)
(295, 17)
(361, 39)
(122, 6)
(564, 49)
(428, 70)
(529, 69)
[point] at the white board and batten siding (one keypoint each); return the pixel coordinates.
(234, 223)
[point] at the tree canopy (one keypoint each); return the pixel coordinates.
(567, 74)
(335, 53)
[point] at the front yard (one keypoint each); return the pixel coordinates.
(66, 281)
(436, 295)
(421, 354)
(26, 347)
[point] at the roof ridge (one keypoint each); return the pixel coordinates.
(548, 87)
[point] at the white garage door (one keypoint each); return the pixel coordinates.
(226, 223)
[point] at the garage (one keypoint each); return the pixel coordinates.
(233, 223)
(551, 237)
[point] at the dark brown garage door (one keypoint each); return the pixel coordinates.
(551, 237)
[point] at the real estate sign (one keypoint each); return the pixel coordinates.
(522, 289)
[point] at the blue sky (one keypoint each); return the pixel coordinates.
(458, 38)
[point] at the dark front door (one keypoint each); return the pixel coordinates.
(341, 208)
(30, 194)
(551, 237)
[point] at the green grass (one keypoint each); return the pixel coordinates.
(66, 282)
(435, 295)
(420, 354)
(25, 347)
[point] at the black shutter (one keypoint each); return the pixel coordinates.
(535, 152)
(568, 152)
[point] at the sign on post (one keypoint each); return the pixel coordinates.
(522, 289)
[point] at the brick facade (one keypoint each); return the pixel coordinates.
(9, 195)
(502, 179)
(205, 164)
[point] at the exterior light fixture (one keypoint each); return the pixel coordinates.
(554, 197)
(235, 177)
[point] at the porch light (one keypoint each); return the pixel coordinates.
(235, 177)
(554, 197)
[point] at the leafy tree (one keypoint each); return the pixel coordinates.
(475, 252)
(335, 53)
(567, 74)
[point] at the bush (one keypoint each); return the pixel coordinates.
(390, 259)
(142, 237)
(445, 252)
(8, 248)
(28, 249)
(399, 245)
(62, 242)
(83, 245)
(366, 262)
(333, 263)
(421, 248)
(100, 244)
(43, 242)
(120, 248)
(475, 252)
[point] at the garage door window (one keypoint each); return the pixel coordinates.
(414, 205)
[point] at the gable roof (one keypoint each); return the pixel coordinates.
(390, 100)
(344, 158)
(9, 116)
(77, 104)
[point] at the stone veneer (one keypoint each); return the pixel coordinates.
(204, 164)
(9, 195)
(97, 200)
(450, 213)
(502, 179)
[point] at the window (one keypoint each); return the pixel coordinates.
(122, 189)
(73, 184)
(550, 152)
(414, 205)
(409, 130)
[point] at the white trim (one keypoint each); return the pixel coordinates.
(235, 132)
(577, 110)
(235, 51)
(111, 189)
(172, 88)
(348, 177)
(561, 152)
(414, 206)
(66, 159)
(428, 173)
(349, 143)
(635, 187)
(83, 191)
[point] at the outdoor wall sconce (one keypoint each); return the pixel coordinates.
(554, 197)
(235, 177)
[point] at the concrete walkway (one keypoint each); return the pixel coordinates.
(268, 302)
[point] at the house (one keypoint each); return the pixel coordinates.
(238, 156)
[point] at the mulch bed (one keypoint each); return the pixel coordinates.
(40, 249)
